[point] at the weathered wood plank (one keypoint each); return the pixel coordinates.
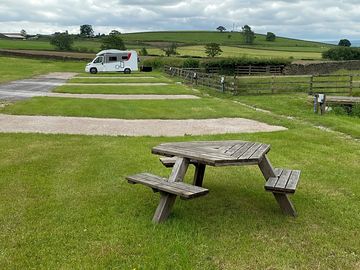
(293, 180)
(264, 148)
(285, 204)
(178, 172)
(266, 168)
(242, 150)
(283, 179)
(271, 182)
(248, 153)
(199, 174)
(181, 189)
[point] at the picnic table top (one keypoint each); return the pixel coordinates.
(215, 153)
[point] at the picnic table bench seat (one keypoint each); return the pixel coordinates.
(285, 181)
(157, 183)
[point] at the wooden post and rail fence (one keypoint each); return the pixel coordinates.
(271, 84)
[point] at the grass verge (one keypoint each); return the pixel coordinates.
(135, 89)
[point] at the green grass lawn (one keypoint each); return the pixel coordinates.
(299, 105)
(65, 204)
(239, 52)
(20, 68)
(133, 79)
(156, 74)
(130, 109)
(103, 89)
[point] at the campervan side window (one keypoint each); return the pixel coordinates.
(124, 57)
(112, 58)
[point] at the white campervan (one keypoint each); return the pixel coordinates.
(113, 60)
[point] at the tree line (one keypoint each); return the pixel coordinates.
(64, 41)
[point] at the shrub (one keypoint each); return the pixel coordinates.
(62, 41)
(191, 63)
(113, 42)
(339, 110)
(355, 111)
(342, 53)
(227, 65)
(143, 52)
(159, 62)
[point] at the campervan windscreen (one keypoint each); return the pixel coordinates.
(99, 59)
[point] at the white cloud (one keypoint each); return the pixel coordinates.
(328, 19)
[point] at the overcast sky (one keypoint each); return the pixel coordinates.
(316, 20)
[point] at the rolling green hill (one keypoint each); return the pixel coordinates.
(225, 38)
(191, 43)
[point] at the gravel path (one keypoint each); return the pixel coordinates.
(115, 127)
(122, 97)
(37, 86)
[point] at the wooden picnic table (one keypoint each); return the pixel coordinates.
(214, 153)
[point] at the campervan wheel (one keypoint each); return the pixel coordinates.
(93, 70)
(127, 71)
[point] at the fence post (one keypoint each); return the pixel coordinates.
(311, 84)
(323, 106)
(235, 85)
(272, 84)
(351, 85)
(249, 69)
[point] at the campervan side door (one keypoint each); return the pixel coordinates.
(114, 62)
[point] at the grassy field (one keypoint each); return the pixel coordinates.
(65, 206)
(121, 80)
(203, 37)
(239, 52)
(103, 89)
(19, 68)
(65, 203)
(45, 45)
(233, 44)
(129, 109)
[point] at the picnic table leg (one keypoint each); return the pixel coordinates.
(199, 174)
(283, 200)
(167, 200)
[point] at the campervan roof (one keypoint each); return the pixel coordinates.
(110, 51)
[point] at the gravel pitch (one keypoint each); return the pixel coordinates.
(116, 127)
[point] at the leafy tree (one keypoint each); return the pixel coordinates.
(191, 63)
(270, 36)
(112, 42)
(86, 30)
(171, 50)
(114, 32)
(62, 41)
(143, 51)
(212, 49)
(344, 43)
(23, 33)
(221, 28)
(248, 34)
